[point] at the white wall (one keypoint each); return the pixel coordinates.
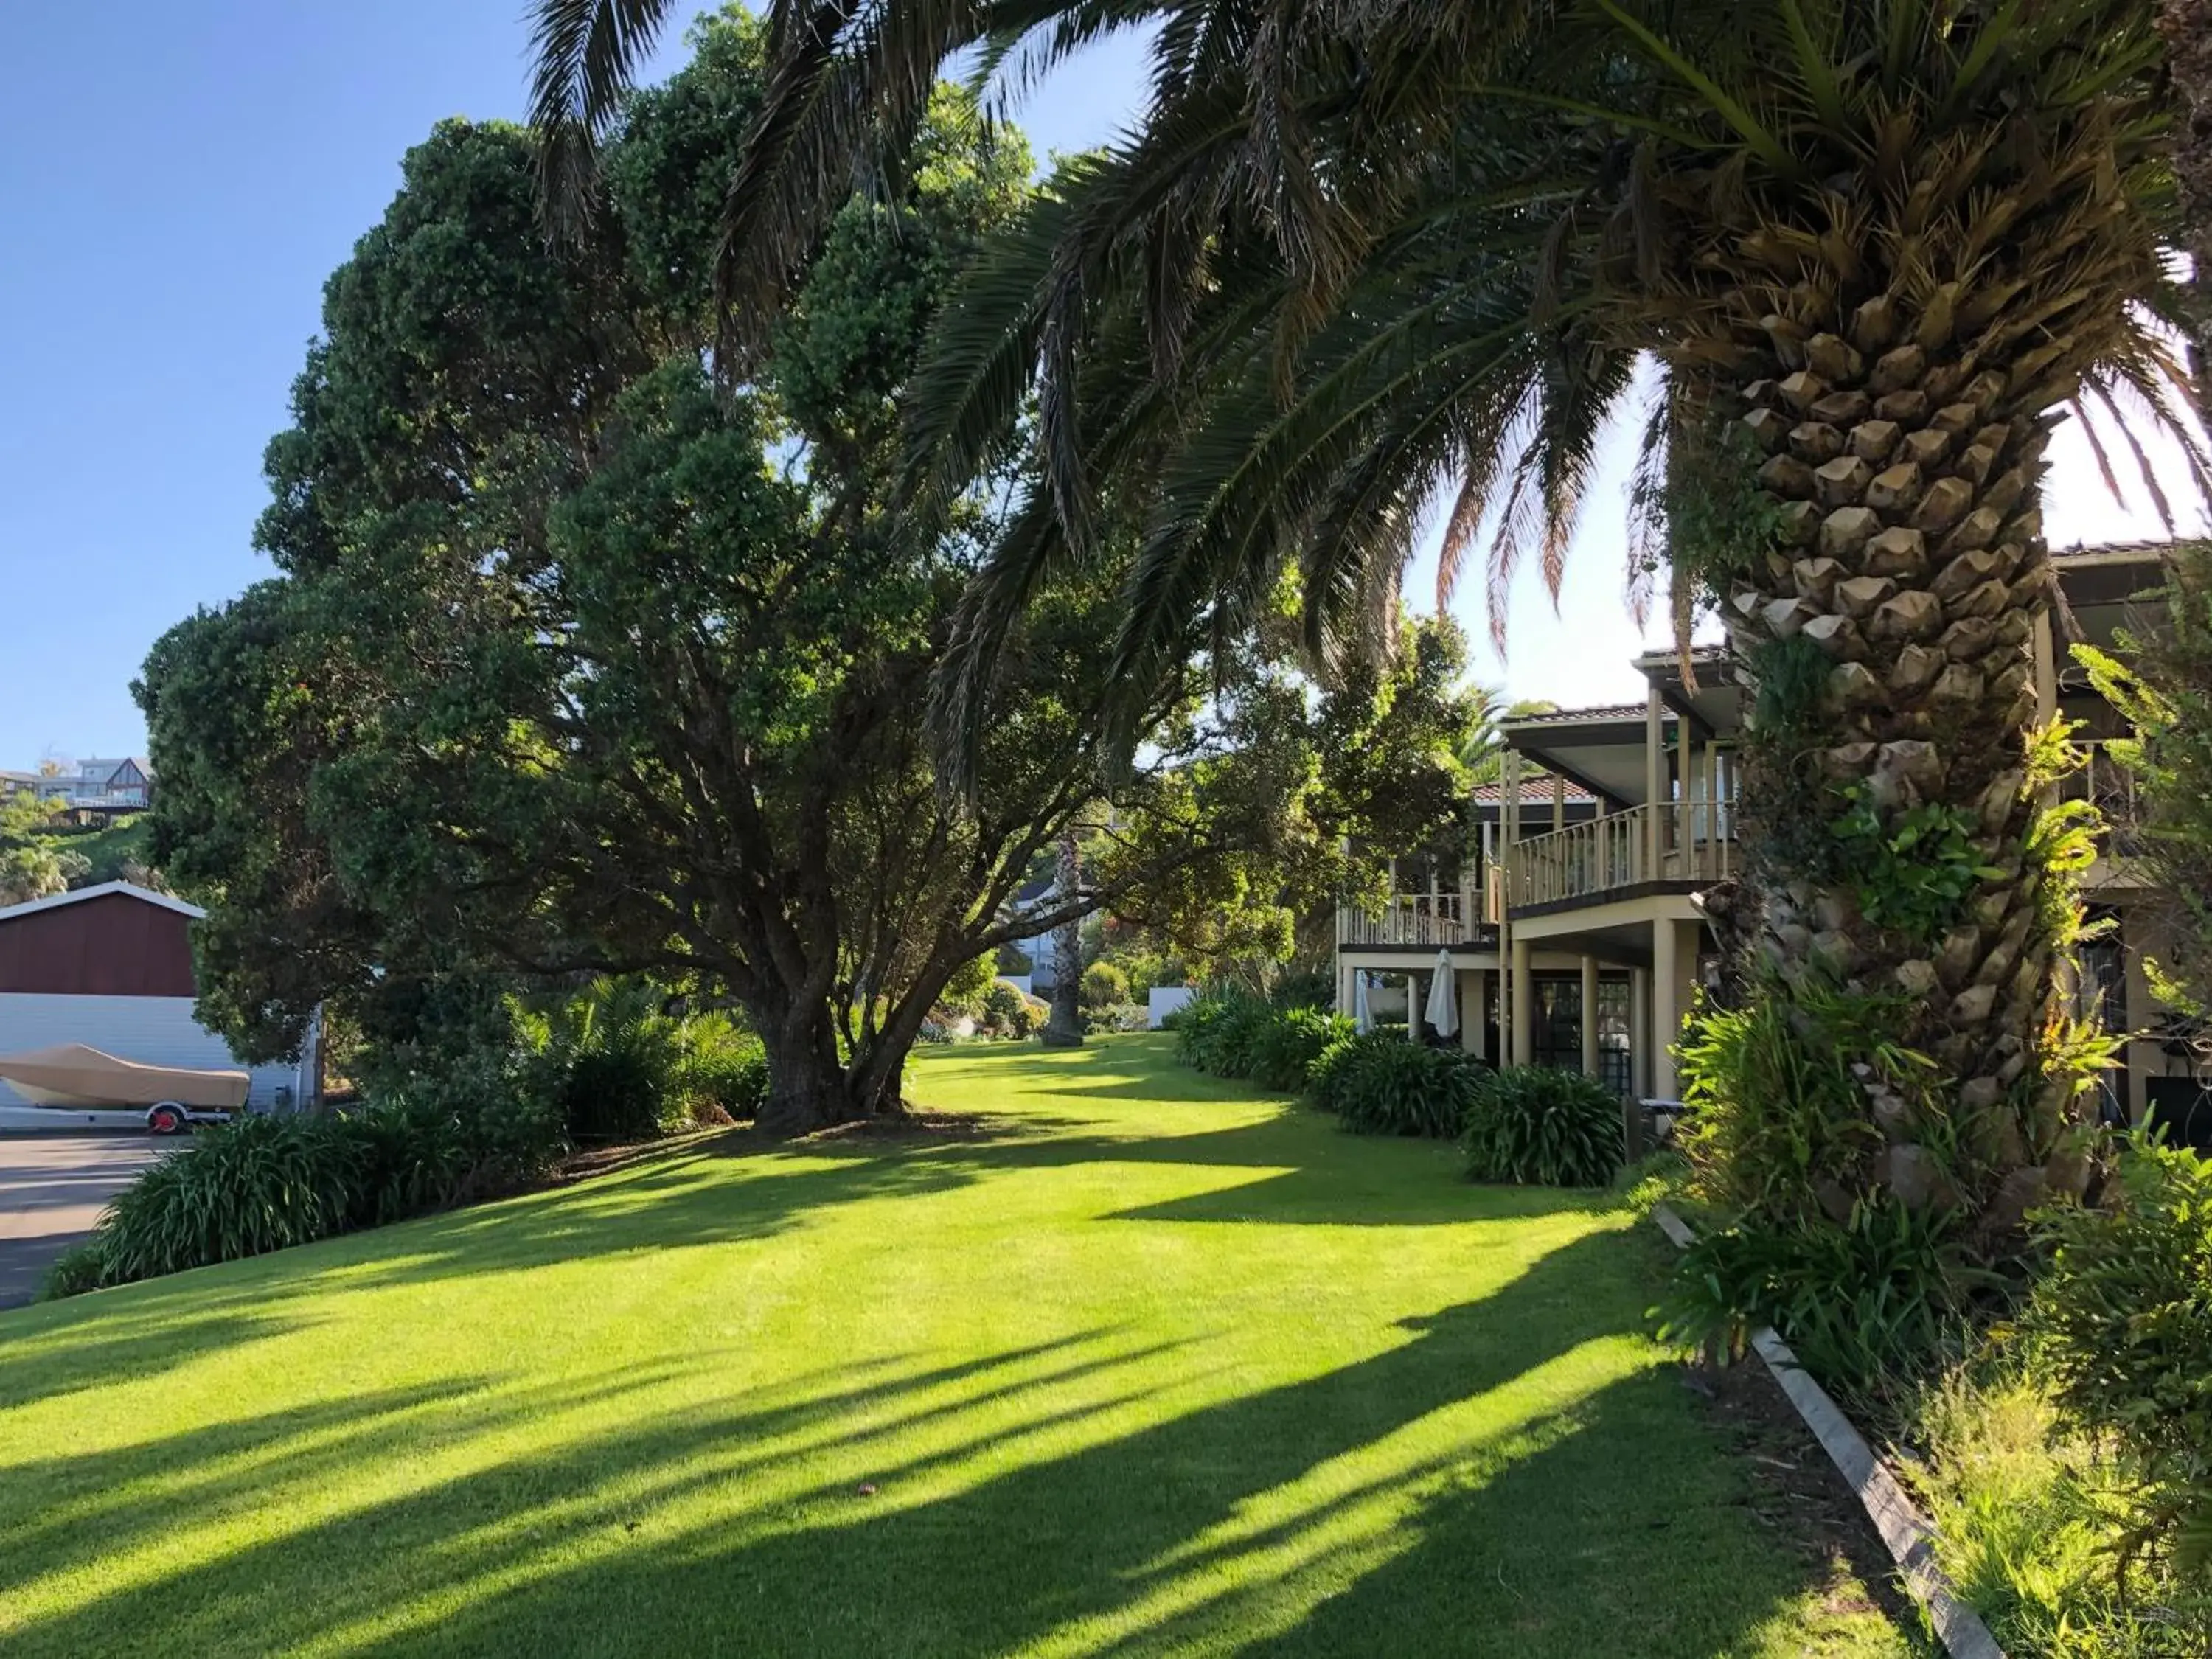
(1164, 999)
(151, 1031)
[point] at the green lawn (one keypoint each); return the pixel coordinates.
(1150, 1365)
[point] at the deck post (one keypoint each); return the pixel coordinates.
(2047, 669)
(1413, 1007)
(1589, 1015)
(1655, 782)
(1521, 999)
(1709, 862)
(1673, 975)
(1666, 1007)
(1639, 1031)
(1509, 836)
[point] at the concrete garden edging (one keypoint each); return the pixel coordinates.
(1905, 1531)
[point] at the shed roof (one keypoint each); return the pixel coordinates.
(127, 890)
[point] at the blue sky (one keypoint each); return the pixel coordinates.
(175, 184)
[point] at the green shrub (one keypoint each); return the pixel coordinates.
(969, 983)
(1286, 1049)
(80, 1268)
(1775, 1107)
(1540, 1126)
(1389, 1086)
(1375, 1085)
(1314, 988)
(408, 1160)
(257, 1185)
(2122, 1321)
(493, 1106)
(1148, 968)
(1198, 1028)
(266, 1183)
(609, 1062)
(1332, 1069)
(1225, 1041)
(1102, 985)
(1117, 1017)
(1872, 1306)
(2024, 1532)
(720, 1066)
(1005, 1011)
(610, 1097)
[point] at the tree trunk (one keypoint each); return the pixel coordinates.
(808, 1089)
(1892, 627)
(1065, 1029)
(2187, 26)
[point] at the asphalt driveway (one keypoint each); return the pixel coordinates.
(51, 1189)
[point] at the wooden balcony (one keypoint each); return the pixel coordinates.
(1588, 863)
(1416, 919)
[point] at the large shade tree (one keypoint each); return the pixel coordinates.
(1357, 256)
(578, 661)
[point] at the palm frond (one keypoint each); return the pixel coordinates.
(587, 54)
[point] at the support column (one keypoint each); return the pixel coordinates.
(1655, 782)
(2047, 669)
(1466, 987)
(1589, 1016)
(1639, 1031)
(1709, 860)
(1521, 999)
(1666, 1008)
(1343, 988)
(1413, 1007)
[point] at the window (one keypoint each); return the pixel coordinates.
(2103, 998)
(1615, 1065)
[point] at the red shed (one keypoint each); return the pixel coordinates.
(111, 967)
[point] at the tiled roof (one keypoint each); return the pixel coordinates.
(1617, 711)
(1534, 787)
(2117, 552)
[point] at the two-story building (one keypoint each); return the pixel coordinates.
(1573, 929)
(100, 787)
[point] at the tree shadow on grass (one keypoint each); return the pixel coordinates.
(688, 1196)
(115, 1337)
(743, 1186)
(173, 1485)
(1508, 1479)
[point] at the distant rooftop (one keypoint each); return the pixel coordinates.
(2137, 552)
(1613, 711)
(1535, 785)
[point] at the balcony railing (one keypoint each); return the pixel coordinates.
(1586, 861)
(1413, 919)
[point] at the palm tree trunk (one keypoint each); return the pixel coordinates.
(1065, 1029)
(2187, 26)
(1907, 588)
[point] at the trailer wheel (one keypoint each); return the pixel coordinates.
(166, 1120)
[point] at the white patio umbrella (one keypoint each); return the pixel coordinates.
(1444, 997)
(1362, 1021)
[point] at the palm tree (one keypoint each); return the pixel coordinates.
(1360, 256)
(1064, 1030)
(2187, 26)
